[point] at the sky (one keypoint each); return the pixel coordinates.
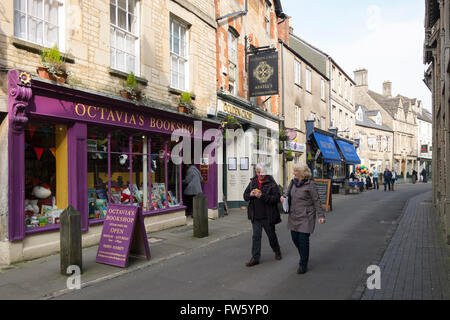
(383, 36)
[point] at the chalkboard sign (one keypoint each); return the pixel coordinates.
(123, 233)
(324, 190)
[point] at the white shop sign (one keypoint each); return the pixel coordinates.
(249, 116)
(294, 146)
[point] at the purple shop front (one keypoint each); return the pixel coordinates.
(82, 148)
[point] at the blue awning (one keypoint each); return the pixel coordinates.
(349, 152)
(328, 148)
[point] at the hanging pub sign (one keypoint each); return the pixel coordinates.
(263, 74)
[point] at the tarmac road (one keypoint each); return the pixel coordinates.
(356, 232)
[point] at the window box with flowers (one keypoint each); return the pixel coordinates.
(130, 89)
(231, 123)
(185, 104)
(53, 65)
(289, 156)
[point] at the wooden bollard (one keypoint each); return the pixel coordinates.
(70, 239)
(200, 215)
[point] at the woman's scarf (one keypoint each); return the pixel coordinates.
(299, 183)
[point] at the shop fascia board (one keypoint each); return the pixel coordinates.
(101, 98)
(245, 104)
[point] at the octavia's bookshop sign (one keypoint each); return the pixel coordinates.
(263, 74)
(123, 234)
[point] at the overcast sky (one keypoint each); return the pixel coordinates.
(383, 36)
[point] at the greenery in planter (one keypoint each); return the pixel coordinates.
(54, 63)
(283, 135)
(131, 87)
(289, 155)
(186, 101)
(231, 123)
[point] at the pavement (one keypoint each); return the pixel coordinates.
(414, 263)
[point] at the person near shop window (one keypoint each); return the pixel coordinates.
(393, 179)
(387, 177)
(193, 186)
(263, 196)
(375, 178)
(304, 208)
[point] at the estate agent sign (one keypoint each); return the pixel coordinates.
(263, 74)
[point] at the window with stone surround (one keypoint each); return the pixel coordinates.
(232, 63)
(267, 17)
(308, 80)
(297, 72)
(179, 64)
(40, 22)
(124, 35)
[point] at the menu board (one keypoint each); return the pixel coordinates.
(123, 233)
(324, 190)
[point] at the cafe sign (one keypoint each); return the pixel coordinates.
(263, 74)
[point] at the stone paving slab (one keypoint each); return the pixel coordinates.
(415, 264)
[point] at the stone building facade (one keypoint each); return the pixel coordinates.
(437, 78)
(169, 45)
(305, 96)
(398, 113)
(246, 28)
(375, 139)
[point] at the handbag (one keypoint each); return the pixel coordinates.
(287, 201)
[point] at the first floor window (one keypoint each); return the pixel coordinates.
(178, 55)
(124, 35)
(39, 21)
(308, 80)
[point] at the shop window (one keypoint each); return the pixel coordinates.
(136, 170)
(46, 188)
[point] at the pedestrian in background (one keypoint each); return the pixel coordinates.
(393, 179)
(424, 175)
(304, 207)
(387, 176)
(193, 182)
(414, 176)
(263, 196)
(375, 178)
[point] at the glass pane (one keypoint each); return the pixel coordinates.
(120, 60)
(35, 8)
(130, 64)
(98, 195)
(173, 187)
(120, 178)
(113, 58)
(35, 30)
(51, 34)
(119, 140)
(132, 23)
(120, 40)
(158, 173)
(183, 42)
(131, 6)
(122, 4)
(20, 5)
(113, 38)
(174, 72)
(130, 44)
(122, 19)
(20, 25)
(138, 181)
(176, 45)
(112, 14)
(43, 203)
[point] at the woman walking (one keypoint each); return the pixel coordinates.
(304, 207)
(263, 196)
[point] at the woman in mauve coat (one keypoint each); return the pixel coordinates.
(304, 207)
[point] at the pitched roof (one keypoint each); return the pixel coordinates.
(389, 104)
(312, 55)
(367, 122)
(425, 116)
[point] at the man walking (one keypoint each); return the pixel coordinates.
(387, 176)
(424, 175)
(375, 178)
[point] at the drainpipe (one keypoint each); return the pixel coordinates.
(282, 112)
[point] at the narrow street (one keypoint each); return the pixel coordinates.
(355, 236)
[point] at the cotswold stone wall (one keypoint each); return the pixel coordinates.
(87, 41)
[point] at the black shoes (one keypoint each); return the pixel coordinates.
(278, 255)
(252, 263)
(301, 270)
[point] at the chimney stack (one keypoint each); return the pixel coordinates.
(361, 77)
(387, 89)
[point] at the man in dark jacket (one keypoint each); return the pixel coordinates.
(263, 196)
(387, 177)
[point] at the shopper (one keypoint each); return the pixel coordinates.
(375, 178)
(393, 179)
(193, 187)
(304, 207)
(414, 176)
(424, 175)
(263, 197)
(387, 176)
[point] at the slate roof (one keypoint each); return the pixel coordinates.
(314, 56)
(367, 122)
(389, 104)
(425, 116)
